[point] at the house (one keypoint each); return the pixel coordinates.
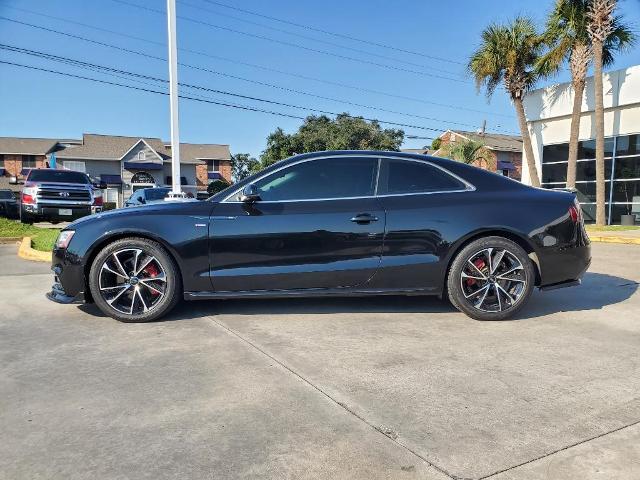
(18, 155)
(549, 120)
(123, 163)
(505, 151)
(419, 151)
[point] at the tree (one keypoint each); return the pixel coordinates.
(601, 23)
(243, 165)
(508, 54)
(435, 145)
(467, 151)
(320, 133)
(568, 40)
(216, 186)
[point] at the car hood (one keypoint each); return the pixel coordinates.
(131, 211)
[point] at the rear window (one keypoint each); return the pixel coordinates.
(63, 176)
(5, 194)
(156, 193)
(405, 176)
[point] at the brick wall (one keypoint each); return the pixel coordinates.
(13, 164)
(201, 174)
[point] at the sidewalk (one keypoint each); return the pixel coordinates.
(618, 236)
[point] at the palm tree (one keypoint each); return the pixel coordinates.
(601, 23)
(467, 151)
(568, 39)
(508, 54)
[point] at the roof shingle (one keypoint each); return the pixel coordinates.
(26, 146)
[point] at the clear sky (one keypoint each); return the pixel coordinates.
(441, 36)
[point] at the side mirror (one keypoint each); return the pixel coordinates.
(142, 200)
(250, 194)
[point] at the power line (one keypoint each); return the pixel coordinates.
(340, 35)
(263, 83)
(252, 65)
(313, 39)
(81, 64)
(148, 90)
(81, 77)
(294, 45)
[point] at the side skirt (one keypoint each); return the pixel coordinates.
(314, 292)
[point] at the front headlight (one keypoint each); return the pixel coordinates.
(64, 238)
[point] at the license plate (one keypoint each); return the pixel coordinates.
(65, 211)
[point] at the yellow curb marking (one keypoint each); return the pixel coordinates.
(25, 251)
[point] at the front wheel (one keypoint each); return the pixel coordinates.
(135, 280)
(491, 279)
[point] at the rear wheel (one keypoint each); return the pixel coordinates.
(491, 279)
(135, 280)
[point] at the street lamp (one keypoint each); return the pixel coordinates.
(176, 189)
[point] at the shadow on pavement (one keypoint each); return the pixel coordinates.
(597, 291)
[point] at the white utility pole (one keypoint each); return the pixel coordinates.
(176, 191)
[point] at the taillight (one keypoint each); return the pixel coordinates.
(28, 199)
(575, 212)
(97, 201)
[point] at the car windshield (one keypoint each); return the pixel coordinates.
(63, 176)
(5, 195)
(156, 193)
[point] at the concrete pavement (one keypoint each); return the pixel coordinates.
(389, 387)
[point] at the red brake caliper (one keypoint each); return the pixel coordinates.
(479, 263)
(152, 271)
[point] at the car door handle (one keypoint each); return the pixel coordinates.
(364, 218)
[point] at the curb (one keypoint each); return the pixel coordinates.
(25, 251)
(9, 240)
(607, 239)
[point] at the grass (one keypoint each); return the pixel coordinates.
(611, 228)
(41, 238)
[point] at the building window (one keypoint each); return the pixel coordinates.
(141, 156)
(28, 161)
(213, 165)
(74, 165)
(622, 174)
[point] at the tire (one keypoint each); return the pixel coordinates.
(150, 293)
(26, 218)
(485, 295)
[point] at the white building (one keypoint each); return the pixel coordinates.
(549, 118)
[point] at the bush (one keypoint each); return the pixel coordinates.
(108, 206)
(216, 186)
(435, 145)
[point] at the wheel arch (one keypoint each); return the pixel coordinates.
(93, 251)
(516, 237)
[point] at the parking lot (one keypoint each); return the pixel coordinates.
(391, 387)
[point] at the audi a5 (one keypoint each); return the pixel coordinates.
(342, 223)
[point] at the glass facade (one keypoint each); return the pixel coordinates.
(622, 174)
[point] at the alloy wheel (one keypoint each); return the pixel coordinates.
(132, 281)
(493, 280)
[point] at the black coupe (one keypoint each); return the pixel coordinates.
(332, 223)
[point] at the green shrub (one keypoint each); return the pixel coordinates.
(216, 186)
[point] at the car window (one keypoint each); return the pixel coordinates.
(157, 193)
(66, 176)
(336, 177)
(406, 176)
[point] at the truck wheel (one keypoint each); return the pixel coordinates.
(25, 217)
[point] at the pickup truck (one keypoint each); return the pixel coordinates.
(58, 195)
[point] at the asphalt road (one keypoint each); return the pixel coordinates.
(324, 389)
